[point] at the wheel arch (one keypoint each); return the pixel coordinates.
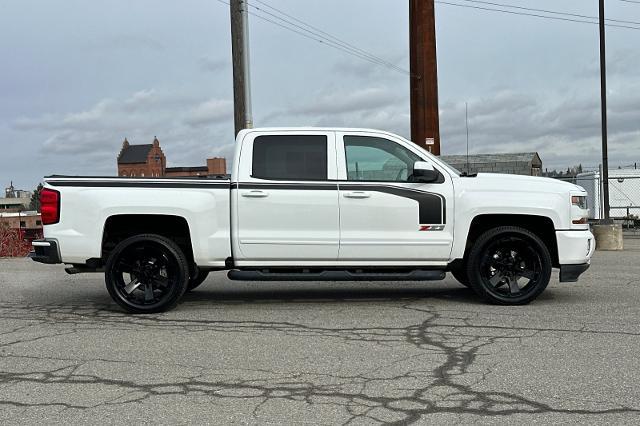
(541, 226)
(120, 227)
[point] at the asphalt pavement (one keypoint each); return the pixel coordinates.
(321, 353)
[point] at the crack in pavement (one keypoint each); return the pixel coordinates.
(450, 346)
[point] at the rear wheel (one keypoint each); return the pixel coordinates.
(146, 273)
(509, 266)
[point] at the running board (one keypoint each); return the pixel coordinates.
(414, 275)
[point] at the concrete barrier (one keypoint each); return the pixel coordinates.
(608, 237)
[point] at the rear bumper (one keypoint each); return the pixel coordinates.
(570, 273)
(45, 251)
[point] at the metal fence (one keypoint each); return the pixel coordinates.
(624, 196)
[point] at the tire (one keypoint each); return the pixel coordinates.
(146, 274)
(509, 265)
(460, 274)
(197, 279)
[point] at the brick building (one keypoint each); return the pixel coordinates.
(28, 224)
(148, 160)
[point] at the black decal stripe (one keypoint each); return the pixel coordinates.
(130, 184)
(431, 206)
(295, 186)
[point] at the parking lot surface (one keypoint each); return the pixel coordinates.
(321, 353)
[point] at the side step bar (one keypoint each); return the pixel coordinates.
(261, 275)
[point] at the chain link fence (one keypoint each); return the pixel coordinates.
(624, 195)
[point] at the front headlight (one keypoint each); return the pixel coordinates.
(580, 201)
(579, 210)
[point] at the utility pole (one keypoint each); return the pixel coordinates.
(425, 122)
(603, 96)
(240, 58)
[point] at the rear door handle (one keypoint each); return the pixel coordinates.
(357, 194)
(255, 194)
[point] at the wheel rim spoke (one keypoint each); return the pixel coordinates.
(148, 292)
(496, 279)
(513, 285)
(132, 285)
(161, 281)
(530, 275)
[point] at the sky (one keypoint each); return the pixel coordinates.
(77, 77)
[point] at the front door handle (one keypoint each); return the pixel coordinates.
(255, 194)
(357, 194)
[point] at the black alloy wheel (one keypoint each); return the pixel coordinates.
(146, 274)
(509, 266)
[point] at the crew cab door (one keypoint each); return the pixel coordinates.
(385, 218)
(286, 199)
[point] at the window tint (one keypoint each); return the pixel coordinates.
(291, 157)
(377, 159)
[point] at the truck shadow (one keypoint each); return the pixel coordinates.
(321, 294)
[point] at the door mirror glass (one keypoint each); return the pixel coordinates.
(423, 171)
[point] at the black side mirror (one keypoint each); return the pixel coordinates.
(424, 172)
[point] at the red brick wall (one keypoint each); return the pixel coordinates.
(217, 166)
(184, 173)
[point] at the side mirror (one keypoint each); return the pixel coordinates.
(423, 171)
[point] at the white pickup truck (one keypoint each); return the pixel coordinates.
(317, 204)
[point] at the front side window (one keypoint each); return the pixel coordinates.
(377, 159)
(290, 157)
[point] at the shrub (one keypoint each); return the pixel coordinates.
(12, 242)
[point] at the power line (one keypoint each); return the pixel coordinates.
(555, 18)
(575, 15)
(630, 1)
(326, 43)
(324, 35)
(318, 30)
(326, 40)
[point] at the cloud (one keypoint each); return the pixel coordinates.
(89, 140)
(565, 131)
(128, 41)
(338, 104)
(209, 112)
(209, 64)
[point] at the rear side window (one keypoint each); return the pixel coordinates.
(290, 157)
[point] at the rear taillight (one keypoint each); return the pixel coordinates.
(49, 206)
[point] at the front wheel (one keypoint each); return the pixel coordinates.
(509, 265)
(146, 274)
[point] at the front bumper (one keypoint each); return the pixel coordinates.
(570, 273)
(45, 251)
(575, 247)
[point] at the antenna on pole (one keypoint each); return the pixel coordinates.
(466, 120)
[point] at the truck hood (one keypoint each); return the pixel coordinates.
(519, 183)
